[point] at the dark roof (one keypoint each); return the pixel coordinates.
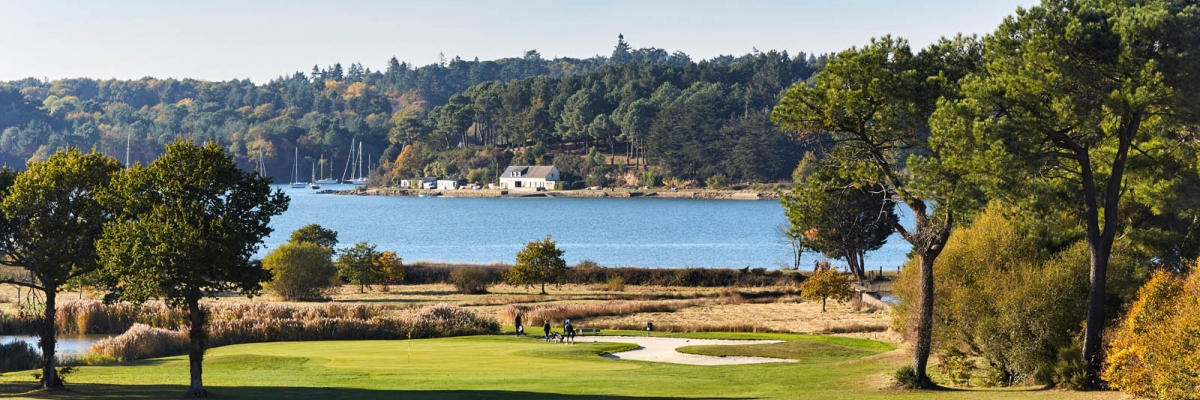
(527, 171)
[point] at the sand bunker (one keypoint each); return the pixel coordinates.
(659, 349)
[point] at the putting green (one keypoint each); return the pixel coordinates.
(495, 367)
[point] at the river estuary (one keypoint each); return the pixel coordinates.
(645, 232)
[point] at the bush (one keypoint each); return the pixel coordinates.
(717, 181)
(18, 356)
(479, 176)
(1004, 300)
(301, 271)
(1153, 352)
(470, 280)
(1070, 372)
(907, 378)
(650, 178)
(578, 185)
(616, 284)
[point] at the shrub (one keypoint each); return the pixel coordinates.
(717, 181)
(18, 356)
(1153, 352)
(301, 271)
(1002, 299)
(650, 178)
(1070, 372)
(907, 378)
(578, 185)
(479, 176)
(470, 280)
(616, 284)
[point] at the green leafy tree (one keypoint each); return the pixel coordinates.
(872, 104)
(52, 219)
(186, 228)
(843, 220)
(826, 283)
(540, 262)
(360, 265)
(1091, 100)
(314, 233)
(300, 271)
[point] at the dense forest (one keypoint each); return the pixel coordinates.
(636, 108)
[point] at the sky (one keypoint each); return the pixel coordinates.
(261, 40)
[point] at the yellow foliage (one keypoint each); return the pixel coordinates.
(826, 283)
(184, 103)
(1153, 353)
(392, 267)
(335, 86)
(355, 90)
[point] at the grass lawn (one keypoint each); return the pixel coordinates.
(508, 367)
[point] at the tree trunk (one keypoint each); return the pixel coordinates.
(50, 378)
(543, 287)
(198, 333)
(922, 347)
(822, 304)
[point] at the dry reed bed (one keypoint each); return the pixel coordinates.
(259, 322)
(537, 313)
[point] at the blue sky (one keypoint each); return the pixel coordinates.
(260, 40)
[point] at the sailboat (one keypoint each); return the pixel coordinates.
(329, 180)
(349, 161)
(314, 185)
(261, 166)
(296, 171)
(359, 179)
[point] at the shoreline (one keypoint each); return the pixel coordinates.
(699, 194)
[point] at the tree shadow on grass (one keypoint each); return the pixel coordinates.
(86, 391)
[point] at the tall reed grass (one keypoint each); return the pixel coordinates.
(261, 322)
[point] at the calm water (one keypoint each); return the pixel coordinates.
(64, 346)
(661, 233)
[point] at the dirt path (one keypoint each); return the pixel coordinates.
(658, 349)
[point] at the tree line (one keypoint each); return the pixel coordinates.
(693, 118)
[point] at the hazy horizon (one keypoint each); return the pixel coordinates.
(223, 40)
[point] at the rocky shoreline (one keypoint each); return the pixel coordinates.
(605, 193)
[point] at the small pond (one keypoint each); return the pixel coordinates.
(67, 345)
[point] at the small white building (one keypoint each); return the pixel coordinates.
(419, 183)
(527, 177)
(448, 184)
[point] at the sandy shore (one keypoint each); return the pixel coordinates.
(659, 349)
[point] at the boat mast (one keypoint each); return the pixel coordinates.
(128, 137)
(295, 164)
(348, 158)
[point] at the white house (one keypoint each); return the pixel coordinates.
(448, 184)
(529, 177)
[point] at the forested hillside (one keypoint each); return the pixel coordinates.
(688, 120)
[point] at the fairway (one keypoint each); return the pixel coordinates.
(508, 367)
